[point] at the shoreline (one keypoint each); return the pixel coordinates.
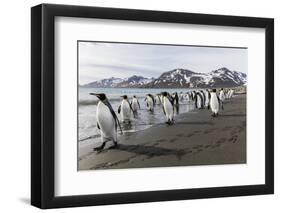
(192, 140)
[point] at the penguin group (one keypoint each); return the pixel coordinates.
(108, 122)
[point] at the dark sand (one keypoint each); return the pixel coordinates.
(195, 139)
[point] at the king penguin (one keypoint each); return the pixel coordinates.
(198, 100)
(168, 107)
(214, 103)
(208, 96)
(107, 121)
(221, 97)
(150, 102)
(125, 109)
(135, 105)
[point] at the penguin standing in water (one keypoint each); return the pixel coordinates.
(125, 109)
(168, 107)
(150, 102)
(198, 98)
(175, 99)
(221, 97)
(181, 96)
(214, 103)
(107, 121)
(157, 99)
(135, 105)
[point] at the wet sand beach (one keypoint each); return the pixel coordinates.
(196, 138)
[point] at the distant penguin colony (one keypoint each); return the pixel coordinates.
(108, 122)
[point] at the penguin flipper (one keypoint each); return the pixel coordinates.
(119, 109)
(115, 116)
(130, 106)
(163, 109)
(98, 125)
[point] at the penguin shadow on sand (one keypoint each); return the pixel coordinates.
(233, 115)
(149, 151)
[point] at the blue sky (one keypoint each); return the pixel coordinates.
(103, 60)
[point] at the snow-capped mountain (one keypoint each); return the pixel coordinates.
(105, 83)
(182, 78)
(178, 78)
(134, 81)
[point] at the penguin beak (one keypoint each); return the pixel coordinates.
(95, 94)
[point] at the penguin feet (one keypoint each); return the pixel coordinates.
(115, 145)
(215, 114)
(99, 148)
(170, 122)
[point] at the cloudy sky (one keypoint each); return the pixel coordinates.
(99, 60)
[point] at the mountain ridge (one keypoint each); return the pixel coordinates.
(176, 78)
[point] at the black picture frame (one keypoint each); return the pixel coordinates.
(43, 105)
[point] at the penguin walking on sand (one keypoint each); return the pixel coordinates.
(150, 102)
(168, 107)
(214, 103)
(135, 105)
(221, 97)
(125, 109)
(231, 93)
(107, 121)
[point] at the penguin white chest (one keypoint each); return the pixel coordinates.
(150, 102)
(207, 99)
(199, 101)
(125, 110)
(105, 120)
(168, 107)
(214, 103)
(222, 96)
(135, 104)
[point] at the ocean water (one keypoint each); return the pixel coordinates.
(87, 105)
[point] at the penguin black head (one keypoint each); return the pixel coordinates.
(100, 96)
(150, 95)
(124, 96)
(165, 94)
(134, 96)
(221, 88)
(214, 90)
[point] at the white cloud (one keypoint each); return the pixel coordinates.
(104, 60)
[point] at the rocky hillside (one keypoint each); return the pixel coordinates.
(178, 78)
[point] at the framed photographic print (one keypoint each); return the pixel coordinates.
(139, 106)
